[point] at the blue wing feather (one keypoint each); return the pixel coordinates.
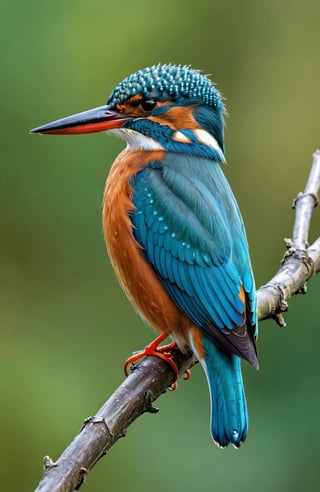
(189, 226)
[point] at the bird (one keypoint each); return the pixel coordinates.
(173, 229)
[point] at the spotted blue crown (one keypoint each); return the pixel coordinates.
(174, 82)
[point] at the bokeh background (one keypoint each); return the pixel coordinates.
(65, 325)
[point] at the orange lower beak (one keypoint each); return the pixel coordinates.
(95, 120)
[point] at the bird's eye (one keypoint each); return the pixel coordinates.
(148, 104)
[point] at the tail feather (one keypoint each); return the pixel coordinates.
(229, 415)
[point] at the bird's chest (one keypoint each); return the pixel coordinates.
(136, 276)
(116, 208)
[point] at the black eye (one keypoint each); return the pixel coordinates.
(148, 104)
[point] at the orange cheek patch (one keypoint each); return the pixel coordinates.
(177, 117)
(181, 117)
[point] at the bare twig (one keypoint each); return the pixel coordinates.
(300, 261)
(304, 204)
(153, 376)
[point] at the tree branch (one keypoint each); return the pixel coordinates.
(133, 398)
(153, 376)
(300, 262)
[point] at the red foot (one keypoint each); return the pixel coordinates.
(154, 349)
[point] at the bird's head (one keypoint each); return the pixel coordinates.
(164, 107)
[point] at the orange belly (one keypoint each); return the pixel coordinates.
(136, 276)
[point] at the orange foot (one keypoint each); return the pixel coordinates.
(154, 349)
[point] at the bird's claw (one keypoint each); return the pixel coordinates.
(161, 352)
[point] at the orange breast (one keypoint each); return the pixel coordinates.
(136, 276)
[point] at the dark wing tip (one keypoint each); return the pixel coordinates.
(231, 341)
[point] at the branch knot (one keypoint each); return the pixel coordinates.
(303, 195)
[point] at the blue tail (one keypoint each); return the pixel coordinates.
(229, 415)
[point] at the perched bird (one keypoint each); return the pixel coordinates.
(173, 228)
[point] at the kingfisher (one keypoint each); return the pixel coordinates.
(173, 229)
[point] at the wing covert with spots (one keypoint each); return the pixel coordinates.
(183, 223)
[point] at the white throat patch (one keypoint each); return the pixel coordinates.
(135, 140)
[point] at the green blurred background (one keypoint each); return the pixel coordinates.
(65, 325)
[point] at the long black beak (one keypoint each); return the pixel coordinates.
(91, 121)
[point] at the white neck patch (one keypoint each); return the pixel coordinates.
(206, 138)
(136, 140)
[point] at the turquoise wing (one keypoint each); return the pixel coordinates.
(189, 227)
